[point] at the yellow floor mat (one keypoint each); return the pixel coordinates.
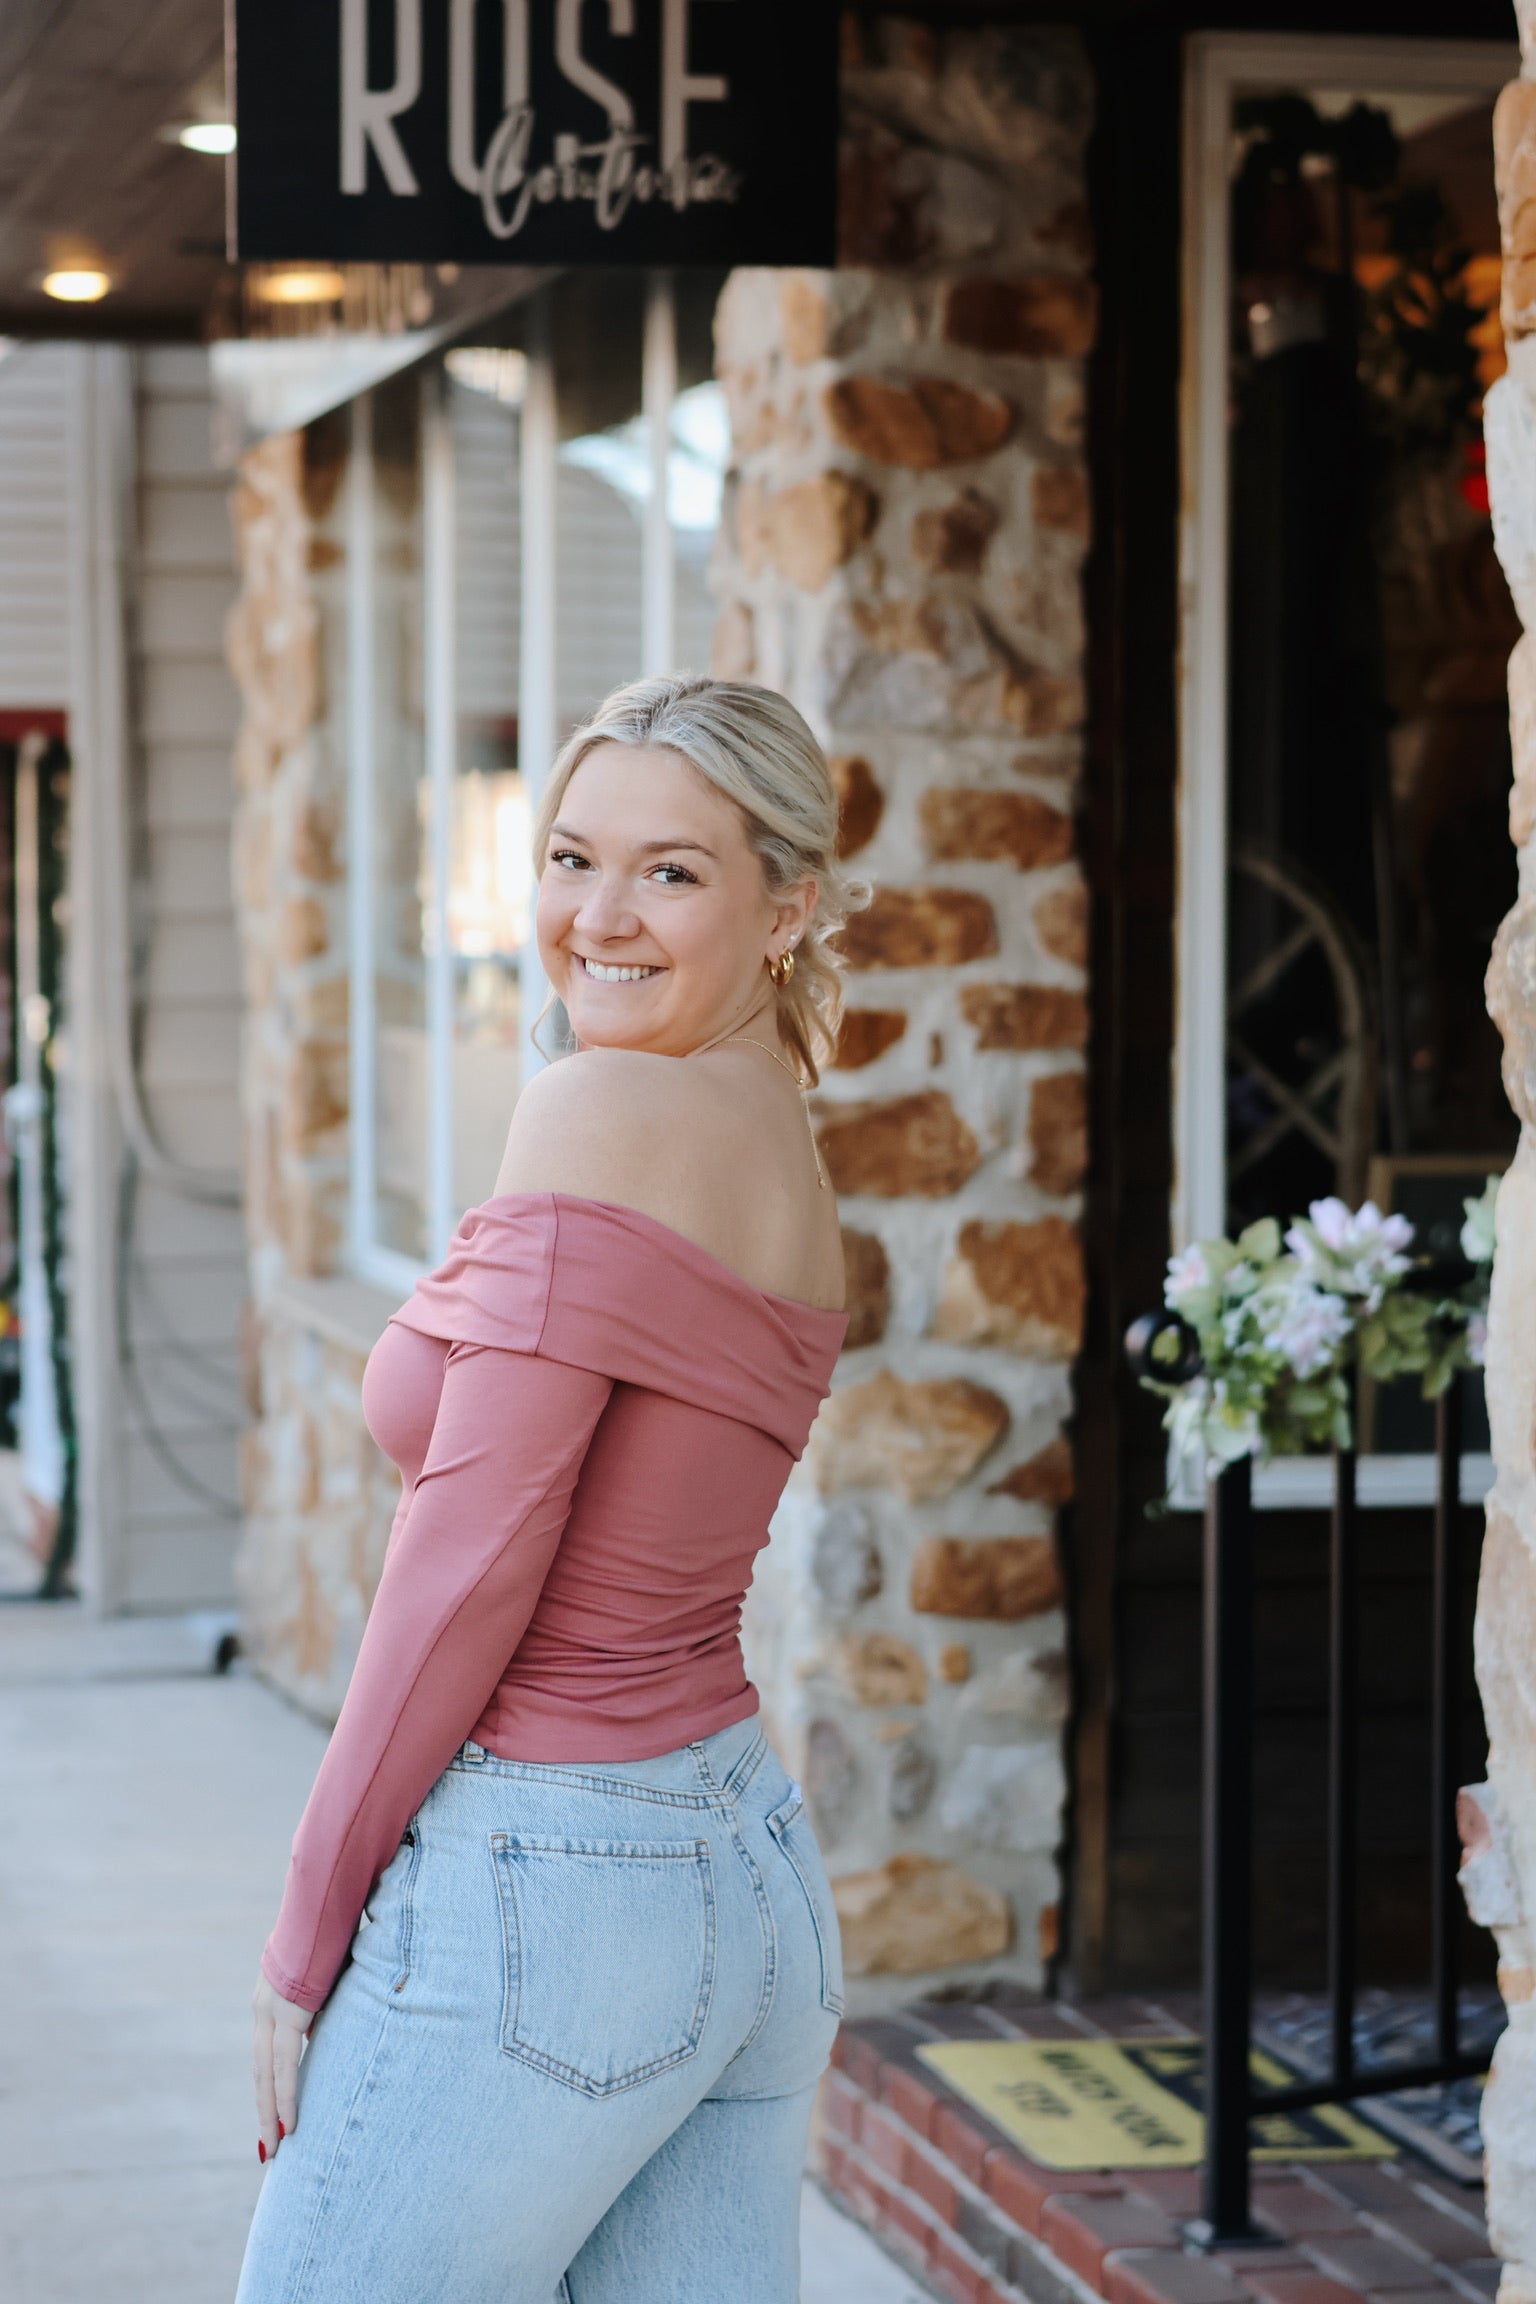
(1078, 2104)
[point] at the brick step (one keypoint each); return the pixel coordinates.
(952, 2199)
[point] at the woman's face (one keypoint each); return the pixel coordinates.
(654, 918)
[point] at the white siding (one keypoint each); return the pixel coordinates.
(34, 527)
(487, 554)
(184, 1262)
(597, 593)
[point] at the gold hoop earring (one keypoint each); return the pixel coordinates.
(781, 970)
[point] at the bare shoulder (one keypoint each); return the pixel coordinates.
(713, 1147)
(599, 1125)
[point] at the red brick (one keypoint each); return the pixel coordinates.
(1298, 2287)
(1043, 2023)
(1168, 2276)
(929, 2178)
(841, 2105)
(1372, 2186)
(1175, 2190)
(885, 2141)
(906, 2094)
(1362, 2260)
(860, 2060)
(1424, 2295)
(1123, 2018)
(1021, 2187)
(848, 2175)
(1082, 2231)
(954, 2273)
(1446, 2238)
(908, 2226)
(960, 2142)
(1294, 2209)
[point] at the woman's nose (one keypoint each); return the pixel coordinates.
(606, 910)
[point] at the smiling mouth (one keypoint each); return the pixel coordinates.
(602, 973)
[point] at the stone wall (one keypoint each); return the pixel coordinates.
(907, 517)
(318, 1495)
(1499, 1818)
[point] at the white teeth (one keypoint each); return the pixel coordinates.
(595, 968)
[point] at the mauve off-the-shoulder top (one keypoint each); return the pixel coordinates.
(593, 1419)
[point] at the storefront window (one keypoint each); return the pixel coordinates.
(598, 323)
(1345, 863)
(489, 878)
(530, 526)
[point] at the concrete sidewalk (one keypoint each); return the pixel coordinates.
(145, 1813)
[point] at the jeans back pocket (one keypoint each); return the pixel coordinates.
(610, 1955)
(792, 1831)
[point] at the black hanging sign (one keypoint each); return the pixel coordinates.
(535, 131)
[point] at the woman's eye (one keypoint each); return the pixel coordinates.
(676, 876)
(567, 856)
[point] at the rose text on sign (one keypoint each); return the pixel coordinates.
(567, 131)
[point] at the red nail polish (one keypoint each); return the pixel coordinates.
(281, 2131)
(261, 2152)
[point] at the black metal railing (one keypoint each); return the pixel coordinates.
(1232, 2101)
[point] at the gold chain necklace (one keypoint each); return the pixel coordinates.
(746, 1041)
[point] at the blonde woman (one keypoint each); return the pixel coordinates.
(557, 1904)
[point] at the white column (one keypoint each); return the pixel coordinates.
(658, 390)
(362, 832)
(441, 766)
(536, 721)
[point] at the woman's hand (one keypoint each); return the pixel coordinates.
(278, 2042)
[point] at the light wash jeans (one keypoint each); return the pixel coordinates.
(574, 2052)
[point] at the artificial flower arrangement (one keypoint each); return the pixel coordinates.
(1269, 1328)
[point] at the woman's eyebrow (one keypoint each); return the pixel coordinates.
(643, 847)
(655, 847)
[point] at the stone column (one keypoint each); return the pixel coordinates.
(1499, 1818)
(318, 1495)
(907, 518)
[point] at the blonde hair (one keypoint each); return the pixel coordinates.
(751, 745)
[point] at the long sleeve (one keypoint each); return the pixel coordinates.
(464, 1571)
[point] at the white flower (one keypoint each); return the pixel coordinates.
(1305, 1325)
(1332, 1224)
(1230, 1432)
(1477, 1339)
(1203, 1425)
(1188, 1273)
(1358, 1254)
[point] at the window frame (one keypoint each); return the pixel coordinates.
(367, 1257)
(1220, 66)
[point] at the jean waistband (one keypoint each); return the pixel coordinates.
(714, 1770)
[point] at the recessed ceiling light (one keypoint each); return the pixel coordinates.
(307, 284)
(216, 136)
(77, 284)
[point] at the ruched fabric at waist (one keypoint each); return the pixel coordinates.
(603, 1718)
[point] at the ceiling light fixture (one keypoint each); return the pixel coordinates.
(76, 284)
(313, 284)
(215, 136)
